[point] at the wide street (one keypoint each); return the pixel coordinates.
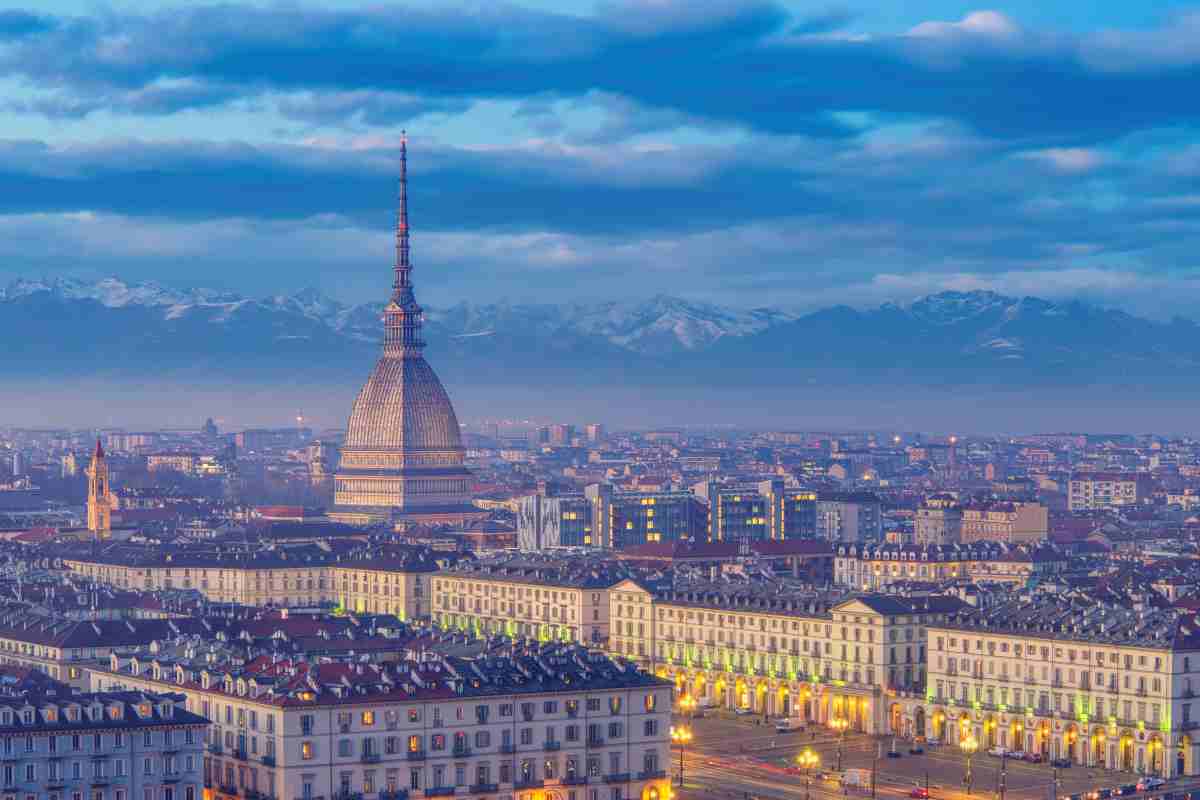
(735, 758)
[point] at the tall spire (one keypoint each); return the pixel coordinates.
(403, 267)
(403, 317)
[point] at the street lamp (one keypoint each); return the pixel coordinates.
(969, 745)
(840, 724)
(807, 761)
(687, 704)
(681, 736)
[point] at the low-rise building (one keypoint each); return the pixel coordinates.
(778, 650)
(509, 723)
(1013, 523)
(1097, 491)
(874, 567)
(103, 746)
(1098, 684)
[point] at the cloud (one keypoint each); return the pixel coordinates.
(1068, 159)
(991, 24)
(749, 64)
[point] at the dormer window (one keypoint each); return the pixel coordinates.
(28, 716)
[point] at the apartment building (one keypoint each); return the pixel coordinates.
(510, 723)
(1102, 685)
(63, 647)
(562, 600)
(379, 580)
(938, 521)
(1099, 491)
(777, 650)
(102, 746)
(1014, 523)
(874, 567)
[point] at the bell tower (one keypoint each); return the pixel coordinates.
(99, 505)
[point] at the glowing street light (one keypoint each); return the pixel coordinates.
(681, 735)
(840, 724)
(808, 761)
(969, 745)
(687, 704)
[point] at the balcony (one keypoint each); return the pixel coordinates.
(652, 775)
(370, 758)
(227, 789)
(528, 783)
(484, 788)
(416, 755)
(342, 794)
(440, 791)
(268, 761)
(552, 745)
(595, 741)
(215, 749)
(508, 748)
(461, 751)
(398, 794)
(617, 777)
(572, 713)
(574, 780)
(238, 753)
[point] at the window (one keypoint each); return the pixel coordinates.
(651, 727)
(344, 747)
(306, 724)
(368, 718)
(306, 751)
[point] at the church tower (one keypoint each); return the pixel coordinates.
(99, 506)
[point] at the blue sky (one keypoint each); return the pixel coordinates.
(754, 153)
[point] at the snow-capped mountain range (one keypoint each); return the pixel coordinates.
(661, 324)
(958, 337)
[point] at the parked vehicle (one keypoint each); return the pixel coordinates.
(1061, 763)
(893, 754)
(1034, 758)
(789, 724)
(1150, 782)
(1127, 789)
(1017, 754)
(916, 750)
(919, 793)
(744, 711)
(996, 751)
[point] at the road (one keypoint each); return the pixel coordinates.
(733, 757)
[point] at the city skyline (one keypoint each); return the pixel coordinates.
(562, 165)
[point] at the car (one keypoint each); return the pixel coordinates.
(933, 742)
(1127, 789)
(1150, 782)
(1017, 754)
(919, 793)
(1060, 763)
(996, 751)
(1105, 793)
(744, 711)
(893, 753)
(1034, 758)
(916, 750)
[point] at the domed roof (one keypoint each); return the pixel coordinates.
(403, 406)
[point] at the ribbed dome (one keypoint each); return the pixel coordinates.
(403, 407)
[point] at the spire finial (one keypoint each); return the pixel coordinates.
(403, 267)
(402, 320)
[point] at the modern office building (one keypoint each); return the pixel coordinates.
(849, 517)
(766, 510)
